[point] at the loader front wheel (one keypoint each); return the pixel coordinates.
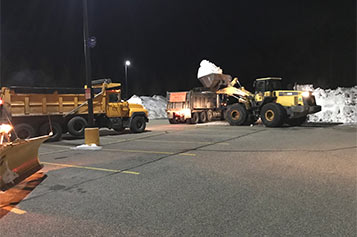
(76, 126)
(236, 115)
(272, 115)
(45, 129)
(25, 131)
(138, 124)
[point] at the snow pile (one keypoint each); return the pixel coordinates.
(206, 68)
(91, 147)
(156, 105)
(338, 106)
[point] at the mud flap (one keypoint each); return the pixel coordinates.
(19, 160)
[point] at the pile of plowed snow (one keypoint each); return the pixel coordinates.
(156, 105)
(338, 106)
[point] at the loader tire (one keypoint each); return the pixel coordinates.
(195, 118)
(209, 115)
(273, 115)
(296, 121)
(203, 117)
(45, 129)
(76, 126)
(138, 124)
(236, 115)
(25, 131)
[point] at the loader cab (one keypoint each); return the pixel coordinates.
(263, 85)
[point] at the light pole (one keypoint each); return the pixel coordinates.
(127, 64)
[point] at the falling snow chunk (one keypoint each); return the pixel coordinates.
(91, 147)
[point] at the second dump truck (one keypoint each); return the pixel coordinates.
(36, 111)
(195, 106)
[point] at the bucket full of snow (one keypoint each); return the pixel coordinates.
(214, 81)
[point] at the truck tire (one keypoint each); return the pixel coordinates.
(296, 121)
(76, 126)
(195, 118)
(138, 124)
(272, 115)
(56, 130)
(172, 121)
(236, 115)
(24, 131)
(203, 117)
(209, 115)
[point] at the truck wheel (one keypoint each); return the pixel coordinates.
(209, 115)
(272, 115)
(203, 117)
(56, 130)
(25, 131)
(138, 124)
(195, 118)
(296, 121)
(236, 115)
(172, 121)
(76, 126)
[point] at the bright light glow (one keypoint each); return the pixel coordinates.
(127, 63)
(305, 94)
(1, 101)
(5, 128)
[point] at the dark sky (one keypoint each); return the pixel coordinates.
(301, 41)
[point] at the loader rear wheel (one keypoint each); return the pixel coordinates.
(25, 131)
(76, 126)
(272, 115)
(203, 117)
(296, 121)
(236, 115)
(209, 115)
(138, 124)
(172, 121)
(45, 129)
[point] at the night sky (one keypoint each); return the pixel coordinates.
(300, 41)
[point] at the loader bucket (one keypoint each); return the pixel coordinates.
(215, 81)
(19, 160)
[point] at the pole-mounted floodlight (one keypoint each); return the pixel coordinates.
(127, 64)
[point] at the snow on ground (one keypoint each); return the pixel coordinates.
(338, 106)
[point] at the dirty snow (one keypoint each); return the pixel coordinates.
(91, 147)
(338, 106)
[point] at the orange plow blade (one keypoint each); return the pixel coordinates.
(19, 160)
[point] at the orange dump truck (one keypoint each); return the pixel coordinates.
(36, 111)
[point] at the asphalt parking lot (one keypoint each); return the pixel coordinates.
(194, 180)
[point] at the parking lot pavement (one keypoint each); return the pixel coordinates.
(197, 180)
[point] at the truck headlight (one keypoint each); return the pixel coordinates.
(305, 94)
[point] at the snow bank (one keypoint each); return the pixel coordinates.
(206, 68)
(156, 105)
(338, 106)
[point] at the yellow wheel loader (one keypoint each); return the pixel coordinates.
(270, 102)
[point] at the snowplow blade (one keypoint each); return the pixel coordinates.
(19, 160)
